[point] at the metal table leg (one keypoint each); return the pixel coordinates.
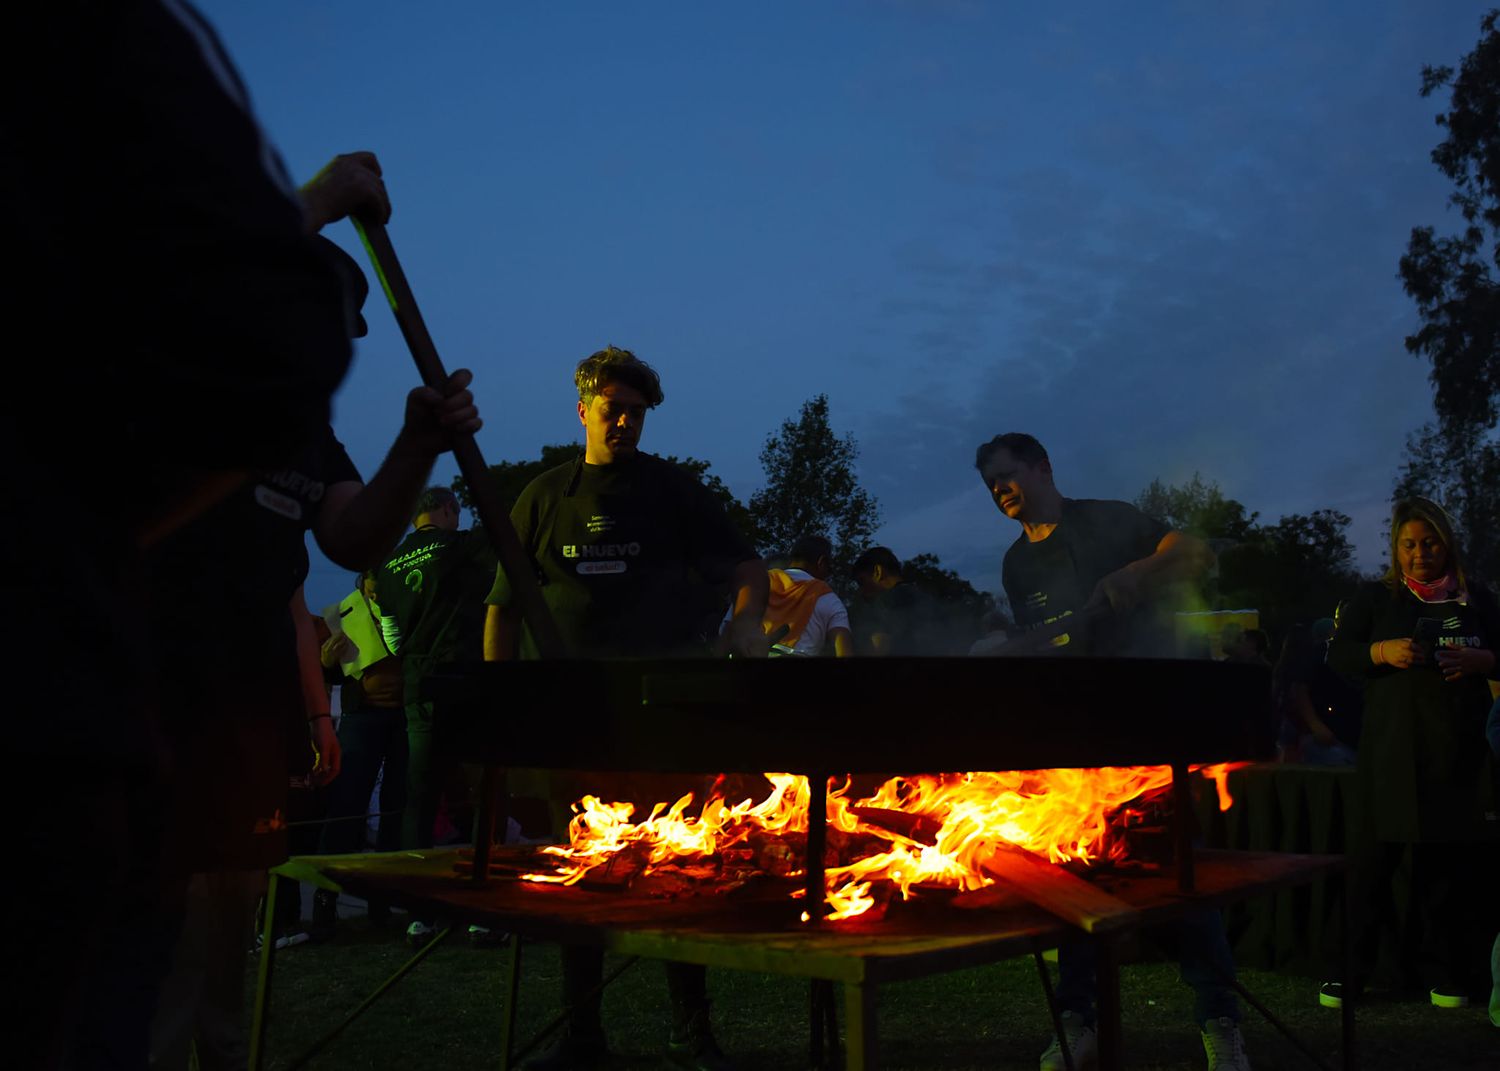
(263, 979)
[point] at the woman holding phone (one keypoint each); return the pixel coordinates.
(1422, 639)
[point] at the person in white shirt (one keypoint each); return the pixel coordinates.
(802, 602)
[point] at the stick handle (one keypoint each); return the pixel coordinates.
(513, 558)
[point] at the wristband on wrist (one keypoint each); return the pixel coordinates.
(316, 717)
(1377, 652)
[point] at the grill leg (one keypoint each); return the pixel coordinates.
(859, 1012)
(1111, 1042)
(491, 811)
(817, 842)
(1182, 826)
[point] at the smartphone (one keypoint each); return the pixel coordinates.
(1425, 636)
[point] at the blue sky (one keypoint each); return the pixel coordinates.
(1161, 237)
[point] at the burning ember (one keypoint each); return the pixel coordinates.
(930, 830)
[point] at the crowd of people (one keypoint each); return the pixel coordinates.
(192, 679)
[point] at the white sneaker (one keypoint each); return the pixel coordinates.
(418, 934)
(1225, 1045)
(1083, 1045)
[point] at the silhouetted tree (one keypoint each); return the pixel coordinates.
(1450, 277)
(811, 489)
(1198, 508)
(1456, 462)
(1295, 570)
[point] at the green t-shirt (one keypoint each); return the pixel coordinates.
(631, 557)
(432, 586)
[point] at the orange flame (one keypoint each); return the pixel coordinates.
(933, 830)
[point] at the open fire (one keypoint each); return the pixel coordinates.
(934, 831)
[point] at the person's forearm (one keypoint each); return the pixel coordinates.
(843, 643)
(372, 522)
(502, 633)
(309, 665)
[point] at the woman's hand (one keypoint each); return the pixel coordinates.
(1402, 654)
(337, 648)
(1456, 662)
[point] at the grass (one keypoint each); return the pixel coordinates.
(446, 1014)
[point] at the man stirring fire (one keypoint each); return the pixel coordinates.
(1093, 576)
(624, 543)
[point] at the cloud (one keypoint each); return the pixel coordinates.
(1201, 277)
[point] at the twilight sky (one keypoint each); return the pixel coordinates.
(1160, 238)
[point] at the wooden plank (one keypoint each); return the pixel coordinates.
(1051, 887)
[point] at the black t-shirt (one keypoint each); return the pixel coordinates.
(433, 586)
(241, 562)
(624, 553)
(1053, 577)
(225, 652)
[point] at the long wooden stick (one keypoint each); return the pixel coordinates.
(513, 559)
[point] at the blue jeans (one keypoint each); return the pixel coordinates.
(368, 737)
(1206, 965)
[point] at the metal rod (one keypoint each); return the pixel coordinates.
(817, 843)
(1281, 1028)
(512, 984)
(262, 1013)
(495, 518)
(345, 818)
(1182, 826)
(364, 1005)
(489, 814)
(562, 1017)
(1053, 1009)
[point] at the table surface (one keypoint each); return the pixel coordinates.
(757, 928)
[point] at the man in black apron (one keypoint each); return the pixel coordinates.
(626, 545)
